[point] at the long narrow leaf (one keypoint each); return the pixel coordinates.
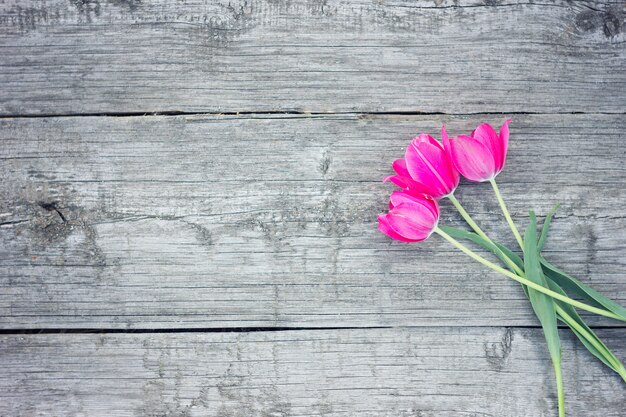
(603, 352)
(574, 286)
(502, 252)
(518, 261)
(511, 255)
(546, 227)
(464, 234)
(542, 304)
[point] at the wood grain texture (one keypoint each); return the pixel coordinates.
(461, 56)
(179, 222)
(441, 372)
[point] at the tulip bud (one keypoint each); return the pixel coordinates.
(411, 218)
(481, 156)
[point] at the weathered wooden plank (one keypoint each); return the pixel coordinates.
(271, 221)
(463, 56)
(440, 372)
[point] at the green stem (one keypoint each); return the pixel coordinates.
(524, 281)
(482, 234)
(467, 217)
(506, 213)
(559, 387)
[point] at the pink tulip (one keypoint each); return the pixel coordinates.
(411, 217)
(426, 168)
(481, 156)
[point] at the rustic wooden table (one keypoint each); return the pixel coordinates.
(190, 189)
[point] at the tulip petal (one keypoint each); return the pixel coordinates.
(444, 135)
(504, 142)
(403, 178)
(487, 135)
(473, 159)
(403, 197)
(399, 165)
(402, 182)
(447, 146)
(413, 222)
(416, 188)
(383, 226)
(407, 183)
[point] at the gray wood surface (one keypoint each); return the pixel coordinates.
(154, 222)
(183, 181)
(426, 372)
(461, 56)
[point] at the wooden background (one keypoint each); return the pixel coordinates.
(190, 189)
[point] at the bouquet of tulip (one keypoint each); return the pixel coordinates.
(430, 172)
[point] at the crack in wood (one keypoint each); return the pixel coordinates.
(269, 113)
(52, 207)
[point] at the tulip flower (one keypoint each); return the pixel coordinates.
(480, 156)
(426, 169)
(411, 217)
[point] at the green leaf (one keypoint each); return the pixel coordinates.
(518, 261)
(464, 234)
(511, 255)
(542, 304)
(601, 352)
(546, 226)
(502, 252)
(574, 286)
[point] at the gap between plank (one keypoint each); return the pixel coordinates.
(291, 113)
(246, 329)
